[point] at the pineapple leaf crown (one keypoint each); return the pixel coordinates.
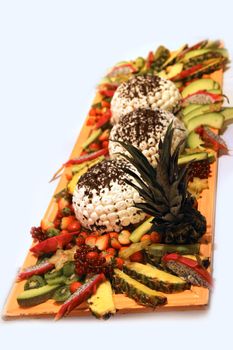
(164, 187)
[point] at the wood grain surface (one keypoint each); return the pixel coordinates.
(196, 298)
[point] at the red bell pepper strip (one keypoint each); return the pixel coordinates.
(107, 93)
(212, 139)
(108, 86)
(85, 158)
(51, 245)
(187, 72)
(150, 59)
(103, 120)
(80, 160)
(190, 263)
(39, 269)
(83, 293)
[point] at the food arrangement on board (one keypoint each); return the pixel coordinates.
(127, 220)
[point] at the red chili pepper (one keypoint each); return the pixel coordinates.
(39, 269)
(50, 245)
(187, 72)
(107, 93)
(212, 139)
(103, 120)
(86, 158)
(83, 293)
(192, 264)
(150, 59)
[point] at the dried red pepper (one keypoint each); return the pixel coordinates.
(82, 294)
(39, 269)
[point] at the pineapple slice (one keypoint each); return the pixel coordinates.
(155, 278)
(136, 290)
(101, 303)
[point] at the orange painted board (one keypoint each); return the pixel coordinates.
(196, 298)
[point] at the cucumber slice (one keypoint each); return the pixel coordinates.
(194, 156)
(159, 249)
(197, 85)
(94, 135)
(214, 120)
(141, 230)
(36, 296)
(190, 108)
(57, 280)
(227, 112)
(194, 140)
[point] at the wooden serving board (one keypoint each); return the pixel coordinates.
(196, 298)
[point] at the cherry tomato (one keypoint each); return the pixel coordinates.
(74, 286)
(92, 256)
(154, 237)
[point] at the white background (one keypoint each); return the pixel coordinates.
(52, 55)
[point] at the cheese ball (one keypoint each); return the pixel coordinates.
(144, 128)
(102, 200)
(144, 91)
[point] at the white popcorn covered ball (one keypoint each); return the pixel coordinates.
(103, 201)
(144, 128)
(144, 91)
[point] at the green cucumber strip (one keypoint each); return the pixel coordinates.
(194, 156)
(141, 230)
(94, 135)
